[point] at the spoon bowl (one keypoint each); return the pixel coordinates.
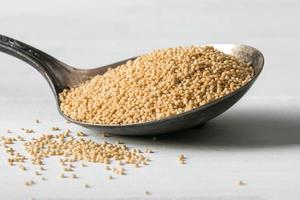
(61, 76)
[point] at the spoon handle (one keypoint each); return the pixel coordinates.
(54, 71)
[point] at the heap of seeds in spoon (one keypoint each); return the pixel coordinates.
(156, 85)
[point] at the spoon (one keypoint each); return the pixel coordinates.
(61, 76)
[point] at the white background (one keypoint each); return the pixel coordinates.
(257, 141)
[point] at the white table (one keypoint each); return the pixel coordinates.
(257, 141)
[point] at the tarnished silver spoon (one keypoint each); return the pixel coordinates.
(61, 76)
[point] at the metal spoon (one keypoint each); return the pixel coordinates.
(60, 76)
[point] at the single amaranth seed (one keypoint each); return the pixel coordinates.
(241, 183)
(62, 175)
(42, 168)
(29, 130)
(66, 169)
(54, 128)
(37, 173)
(83, 165)
(181, 159)
(74, 176)
(22, 167)
(81, 134)
(29, 183)
(157, 85)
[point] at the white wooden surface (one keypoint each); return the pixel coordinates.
(257, 141)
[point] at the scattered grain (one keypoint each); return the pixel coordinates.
(70, 149)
